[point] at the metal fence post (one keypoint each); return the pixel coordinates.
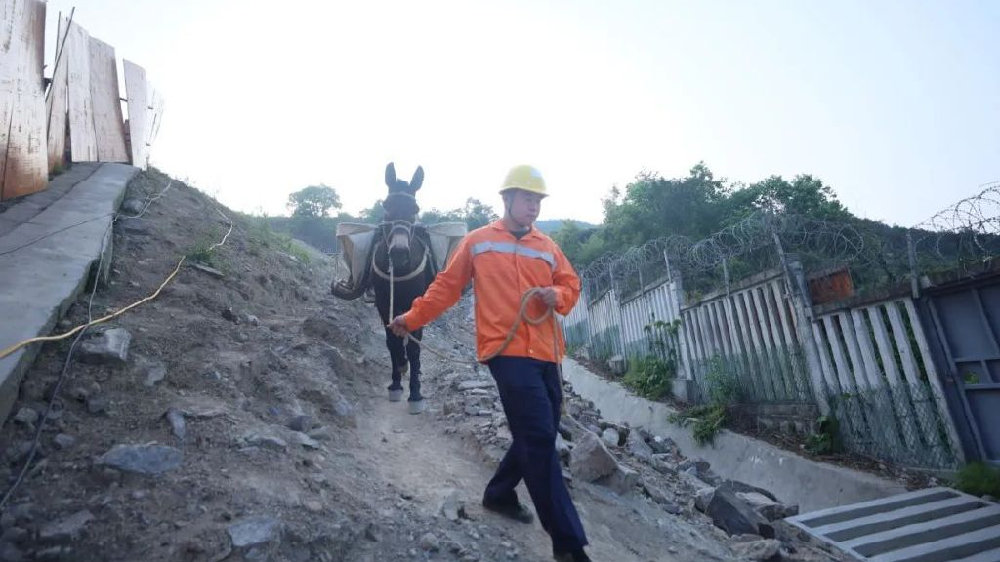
(801, 303)
(911, 256)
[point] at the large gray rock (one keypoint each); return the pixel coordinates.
(65, 530)
(151, 459)
(702, 498)
(563, 448)
(736, 486)
(590, 460)
(254, 531)
(638, 447)
(736, 517)
(623, 480)
(757, 550)
(110, 347)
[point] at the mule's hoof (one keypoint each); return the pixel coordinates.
(395, 395)
(417, 406)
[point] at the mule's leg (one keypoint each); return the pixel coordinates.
(398, 356)
(416, 400)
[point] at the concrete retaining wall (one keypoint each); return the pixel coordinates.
(793, 479)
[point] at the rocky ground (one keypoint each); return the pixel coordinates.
(241, 415)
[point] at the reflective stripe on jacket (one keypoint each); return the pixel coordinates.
(503, 268)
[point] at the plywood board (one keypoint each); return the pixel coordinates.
(57, 105)
(156, 116)
(109, 125)
(138, 112)
(82, 136)
(23, 160)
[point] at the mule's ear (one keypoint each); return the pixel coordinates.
(418, 179)
(390, 175)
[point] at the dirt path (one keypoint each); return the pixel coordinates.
(420, 456)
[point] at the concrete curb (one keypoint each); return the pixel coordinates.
(62, 239)
(793, 479)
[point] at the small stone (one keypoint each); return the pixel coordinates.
(26, 416)
(10, 553)
(430, 542)
(97, 404)
(253, 320)
(662, 445)
(177, 424)
(153, 373)
(110, 347)
(254, 531)
(14, 535)
(452, 506)
(209, 270)
(343, 410)
(610, 437)
(65, 530)
(757, 550)
(254, 439)
(53, 554)
(469, 385)
(63, 441)
(371, 533)
(151, 459)
(313, 506)
(304, 440)
(132, 206)
(321, 433)
(301, 422)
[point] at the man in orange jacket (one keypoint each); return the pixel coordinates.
(507, 259)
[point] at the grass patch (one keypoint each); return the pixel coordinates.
(979, 479)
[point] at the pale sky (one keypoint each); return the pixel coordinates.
(895, 104)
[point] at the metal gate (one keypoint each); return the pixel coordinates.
(966, 323)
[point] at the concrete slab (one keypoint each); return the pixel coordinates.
(937, 524)
(46, 262)
(792, 478)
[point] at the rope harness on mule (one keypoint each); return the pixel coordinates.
(522, 316)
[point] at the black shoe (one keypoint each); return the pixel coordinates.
(515, 511)
(577, 555)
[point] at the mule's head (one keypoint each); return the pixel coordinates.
(401, 211)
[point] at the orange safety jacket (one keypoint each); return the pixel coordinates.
(503, 269)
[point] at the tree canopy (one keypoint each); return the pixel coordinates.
(313, 201)
(695, 206)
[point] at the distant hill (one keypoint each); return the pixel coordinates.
(550, 226)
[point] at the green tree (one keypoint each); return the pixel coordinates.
(313, 201)
(373, 214)
(475, 214)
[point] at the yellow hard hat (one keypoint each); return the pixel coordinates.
(525, 177)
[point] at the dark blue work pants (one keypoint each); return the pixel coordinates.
(531, 393)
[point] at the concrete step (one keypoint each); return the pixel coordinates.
(937, 524)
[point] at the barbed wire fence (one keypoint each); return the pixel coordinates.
(963, 238)
(857, 280)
